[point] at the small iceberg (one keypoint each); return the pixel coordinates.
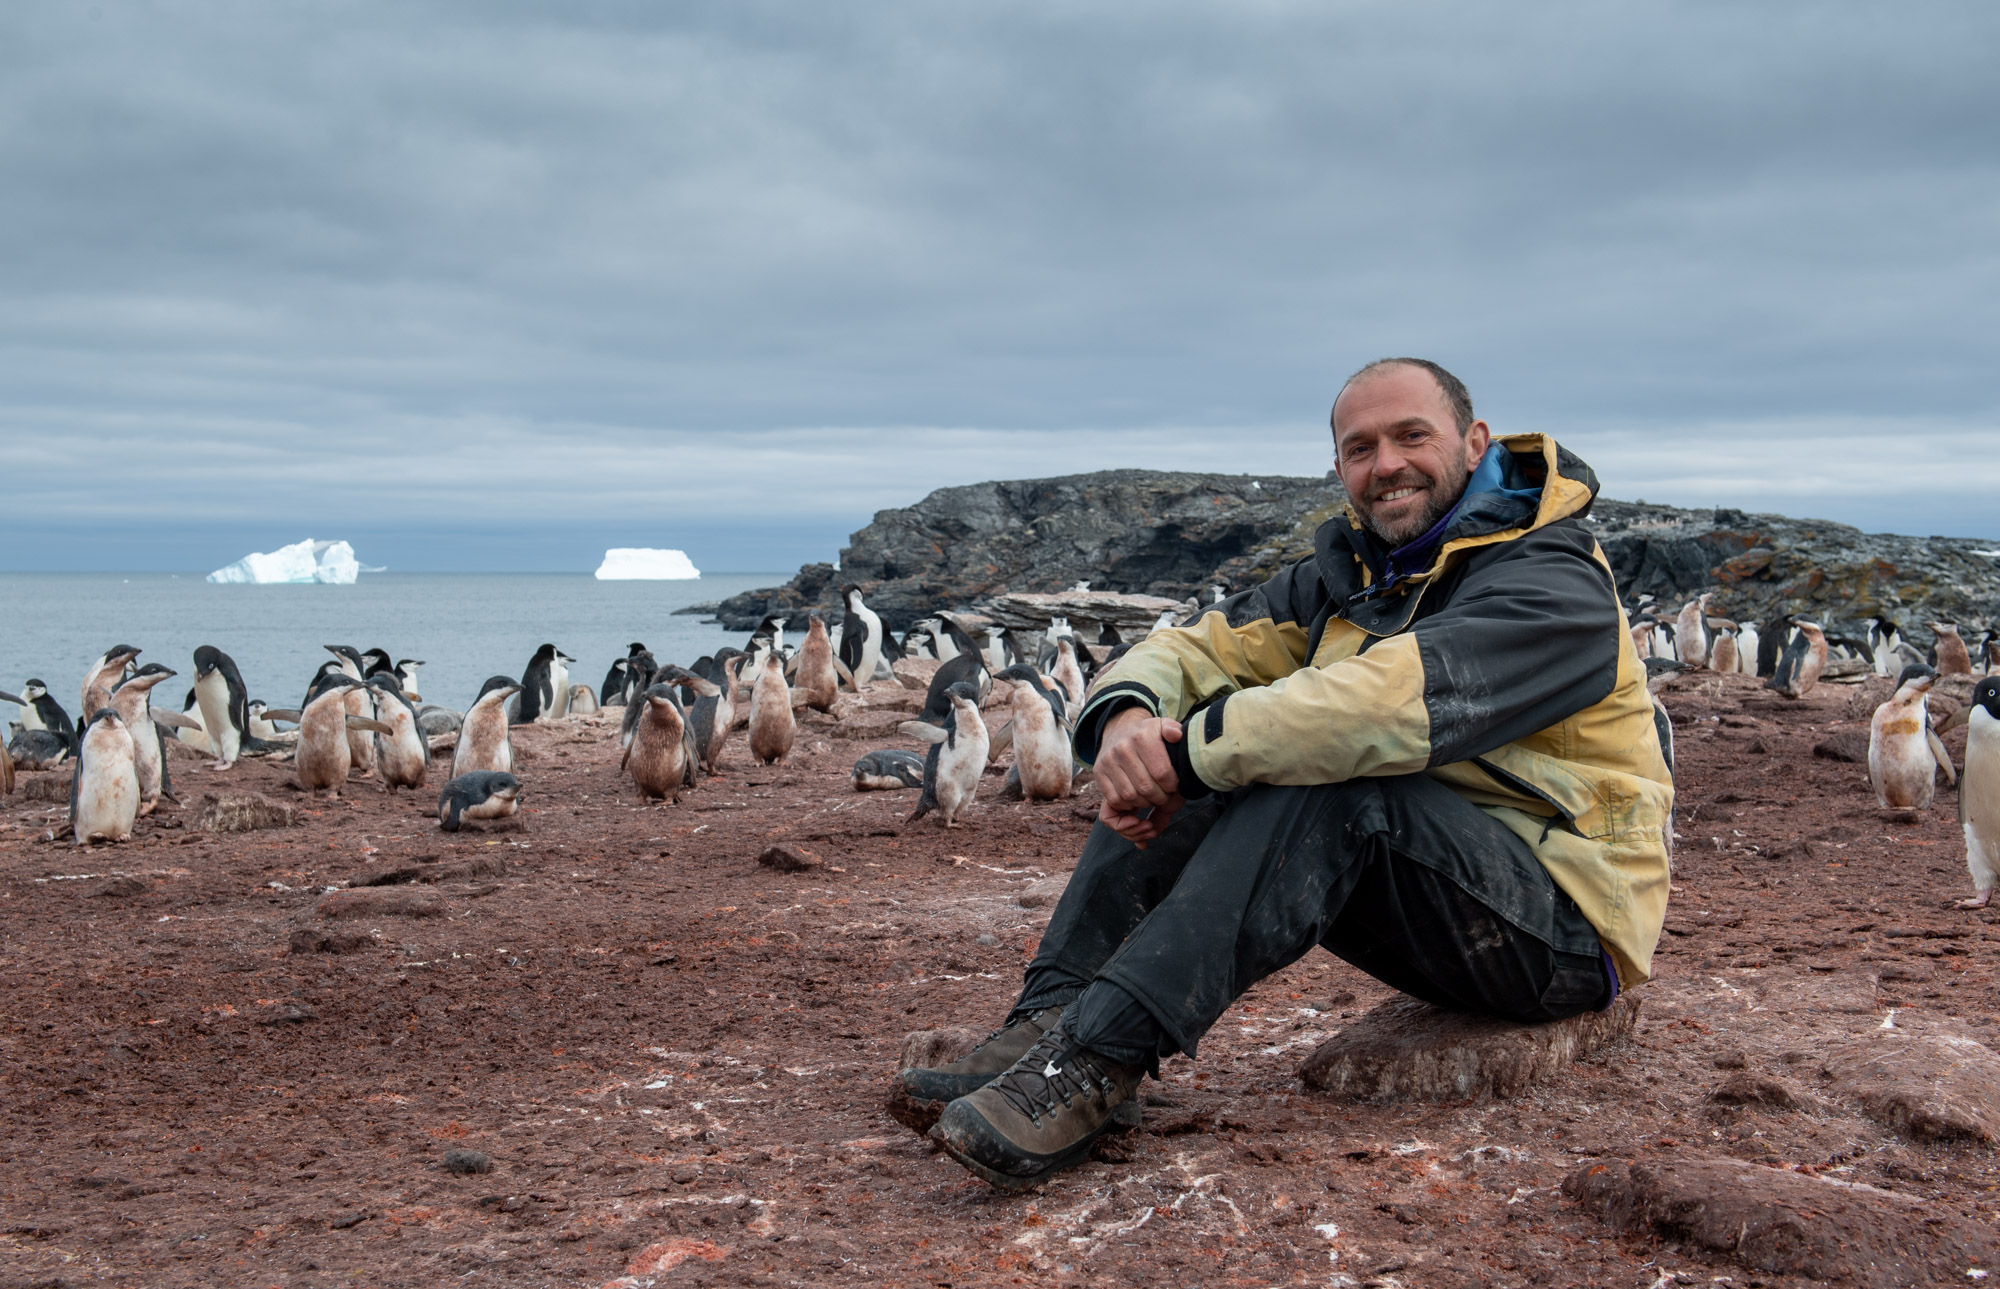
(633, 563)
(301, 562)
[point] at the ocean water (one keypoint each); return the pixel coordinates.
(465, 626)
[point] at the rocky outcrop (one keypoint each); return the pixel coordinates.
(1171, 534)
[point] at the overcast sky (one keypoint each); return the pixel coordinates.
(492, 285)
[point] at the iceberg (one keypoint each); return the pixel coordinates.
(632, 563)
(301, 562)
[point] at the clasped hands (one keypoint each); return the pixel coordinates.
(1134, 772)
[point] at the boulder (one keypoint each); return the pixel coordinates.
(1786, 1223)
(1405, 1050)
(383, 902)
(1927, 1087)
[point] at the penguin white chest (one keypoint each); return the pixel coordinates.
(211, 696)
(1979, 799)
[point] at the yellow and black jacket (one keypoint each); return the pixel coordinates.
(1504, 669)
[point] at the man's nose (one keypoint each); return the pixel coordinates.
(1389, 461)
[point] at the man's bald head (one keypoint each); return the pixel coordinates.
(1405, 443)
(1457, 398)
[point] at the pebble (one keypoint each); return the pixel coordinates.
(467, 1161)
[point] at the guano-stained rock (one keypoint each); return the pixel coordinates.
(1405, 1050)
(1927, 1087)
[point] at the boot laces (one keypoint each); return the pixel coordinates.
(1054, 1072)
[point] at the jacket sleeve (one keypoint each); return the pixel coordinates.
(1251, 639)
(1529, 636)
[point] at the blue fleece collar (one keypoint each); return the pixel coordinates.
(1488, 479)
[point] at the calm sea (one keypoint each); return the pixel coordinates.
(465, 626)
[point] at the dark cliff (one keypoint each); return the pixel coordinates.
(1171, 534)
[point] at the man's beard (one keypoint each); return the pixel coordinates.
(1442, 496)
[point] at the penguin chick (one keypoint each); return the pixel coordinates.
(772, 726)
(483, 739)
(817, 678)
(403, 754)
(104, 795)
(107, 671)
(1804, 659)
(131, 699)
(483, 794)
(325, 752)
(715, 714)
(1068, 672)
(1979, 789)
(888, 770)
(1691, 631)
(1042, 761)
(1902, 764)
(956, 760)
(1953, 658)
(660, 757)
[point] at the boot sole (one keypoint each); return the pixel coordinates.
(920, 1114)
(1010, 1182)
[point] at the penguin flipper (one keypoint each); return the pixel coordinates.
(923, 731)
(845, 673)
(371, 725)
(15, 699)
(289, 715)
(174, 720)
(1943, 757)
(1003, 738)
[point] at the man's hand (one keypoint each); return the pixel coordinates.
(1134, 773)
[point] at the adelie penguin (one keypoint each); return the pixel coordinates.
(860, 636)
(104, 795)
(39, 750)
(715, 714)
(482, 794)
(483, 739)
(132, 700)
(773, 729)
(40, 711)
(956, 760)
(1979, 789)
(661, 756)
(1043, 767)
(225, 706)
(964, 669)
(1804, 659)
(402, 754)
(360, 705)
(888, 770)
(1904, 752)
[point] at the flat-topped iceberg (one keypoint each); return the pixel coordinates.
(306, 561)
(631, 563)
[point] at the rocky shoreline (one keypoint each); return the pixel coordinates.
(1173, 534)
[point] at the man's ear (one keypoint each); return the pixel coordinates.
(1477, 439)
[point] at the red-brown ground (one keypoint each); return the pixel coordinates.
(677, 1059)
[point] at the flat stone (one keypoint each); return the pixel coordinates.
(787, 860)
(284, 1012)
(1848, 747)
(1844, 993)
(383, 902)
(121, 887)
(928, 1048)
(1041, 894)
(242, 812)
(1785, 1223)
(1405, 1050)
(1927, 1087)
(41, 787)
(1745, 1088)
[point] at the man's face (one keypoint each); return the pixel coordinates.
(1398, 452)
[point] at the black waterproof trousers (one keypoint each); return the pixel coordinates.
(1400, 876)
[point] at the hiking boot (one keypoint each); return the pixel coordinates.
(920, 1094)
(1041, 1115)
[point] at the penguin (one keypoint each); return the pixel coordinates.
(538, 693)
(1162, 623)
(612, 692)
(327, 672)
(715, 714)
(640, 668)
(661, 756)
(484, 742)
(956, 759)
(1903, 750)
(325, 747)
(772, 727)
(1979, 789)
(582, 701)
(1722, 650)
(967, 669)
(1773, 638)
(403, 755)
(1989, 651)
(1068, 672)
(481, 794)
(107, 671)
(559, 685)
(1642, 639)
(406, 678)
(132, 700)
(1042, 762)
(360, 705)
(889, 770)
(860, 636)
(7, 771)
(1748, 643)
(224, 703)
(262, 726)
(1953, 658)
(955, 642)
(1691, 630)
(892, 652)
(1663, 640)
(1883, 637)
(817, 675)
(1107, 635)
(104, 795)
(1803, 661)
(39, 750)
(435, 721)
(375, 662)
(40, 711)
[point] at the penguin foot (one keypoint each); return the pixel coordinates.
(1978, 901)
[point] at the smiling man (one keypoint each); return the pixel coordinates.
(1427, 747)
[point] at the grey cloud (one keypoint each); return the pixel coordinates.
(732, 261)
